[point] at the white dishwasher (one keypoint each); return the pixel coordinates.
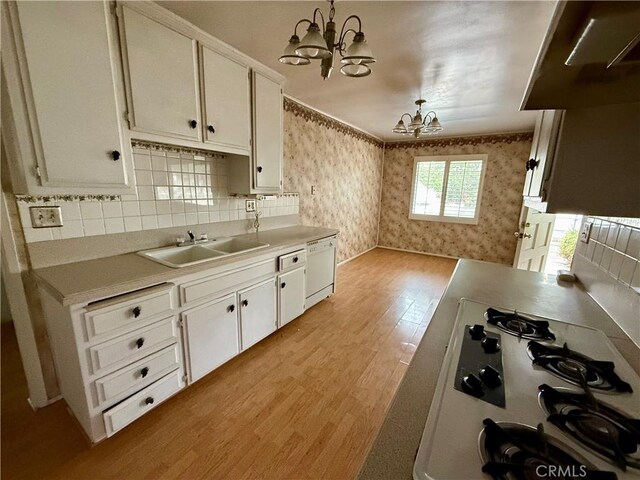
(321, 270)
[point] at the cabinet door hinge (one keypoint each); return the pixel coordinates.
(181, 322)
(184, 378)
(38, 172)
(127, 117)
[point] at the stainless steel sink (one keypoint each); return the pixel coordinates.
(178, 257)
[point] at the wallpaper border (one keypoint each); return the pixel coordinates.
(469, 140)
(314, 116)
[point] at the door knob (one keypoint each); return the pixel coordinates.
(521, 235)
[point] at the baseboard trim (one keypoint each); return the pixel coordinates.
(356, 256)
(419, 253)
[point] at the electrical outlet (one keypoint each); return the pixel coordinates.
(585, 234)
(250, 205)
(45, 217)
(313, 189)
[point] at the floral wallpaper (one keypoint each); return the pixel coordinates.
(492, 238)
(344, 167)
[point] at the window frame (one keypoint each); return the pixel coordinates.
(448, 159)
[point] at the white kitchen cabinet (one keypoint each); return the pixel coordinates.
(226, 101)
(65, 103)
(161, 76)
(291, 295)
(257, 312)
(267, 133)
(211, 334)
(542, 150)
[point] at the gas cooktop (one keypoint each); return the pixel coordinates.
(525, 397)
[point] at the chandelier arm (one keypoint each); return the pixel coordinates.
(407, 114)
(343, 33)
(317, 10)
(295, 29)
(341, 45)
(434, 113)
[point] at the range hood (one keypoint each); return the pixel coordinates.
(589, 57)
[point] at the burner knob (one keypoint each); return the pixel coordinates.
(472, 385)
(490, 376)
(477, 332)
(490, 344)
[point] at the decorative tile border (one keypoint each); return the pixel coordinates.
(66, 198)
(324, 121)
(458, 141)
(165, 147)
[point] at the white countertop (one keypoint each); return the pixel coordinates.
(85, 281)
(392, 454)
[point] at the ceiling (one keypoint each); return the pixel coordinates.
(470, 60)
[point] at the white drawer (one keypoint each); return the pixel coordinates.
(134, 345)
(290, 260)
(124, 382)
(137, 405)
(121, 313)
(225, 281)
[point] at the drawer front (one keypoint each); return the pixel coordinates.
(123, 312)
(134, 407)
(121, 383)
(134, 345)
(291, 260)
(215, 285)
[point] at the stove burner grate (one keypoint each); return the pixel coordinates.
(514, 451)
(576, 368)
(598, 426)
(519, 325)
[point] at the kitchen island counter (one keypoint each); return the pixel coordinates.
(393, 452)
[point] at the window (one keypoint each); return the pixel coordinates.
(447, 188)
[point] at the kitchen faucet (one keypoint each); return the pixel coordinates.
(204, 238)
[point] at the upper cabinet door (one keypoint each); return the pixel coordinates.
(161, 77)
(66, 96)
(547, 137)
(267, 134)
(226, 101)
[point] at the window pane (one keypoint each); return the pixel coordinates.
(429, 181)
(462, 188)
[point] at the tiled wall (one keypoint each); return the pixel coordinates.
(173, 188)
(609, 269)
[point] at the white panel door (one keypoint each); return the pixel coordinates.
(257, 312)
(212, 335)
(226, 100)
(291, 295)
(267, 135)
(534, 240)
(161, 67)
(73, 89)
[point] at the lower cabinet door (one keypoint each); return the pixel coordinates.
(291, 295)
(257, 312)
(212, 335)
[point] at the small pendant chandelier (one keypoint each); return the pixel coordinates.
(320, 45)
(419, 127)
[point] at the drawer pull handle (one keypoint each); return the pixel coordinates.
(211, 129)
(115, 155)
(136, 311)
(140, 342)
(193, 124)
(144, 372)
(231, 308)
(245, 303)
(295, 259)
(148, 400)
(283, 284)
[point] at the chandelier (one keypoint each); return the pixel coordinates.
(321, 45)
(419, 127)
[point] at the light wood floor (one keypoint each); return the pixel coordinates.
(306, 402)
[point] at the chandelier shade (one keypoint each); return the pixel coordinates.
(313, 44)
(290, 57)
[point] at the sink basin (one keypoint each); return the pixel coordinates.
(234, 245)
(181, 256)
(177, 257)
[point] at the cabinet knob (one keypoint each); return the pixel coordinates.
(283, 284)
(140, 342)
(193, 124)
(136, 311)
(211, 129)
(245, 303)
(144, 372)
(531, 164)
(295, 259)
(259, 169)
(231, 308)
(148, 400)
(115, 155)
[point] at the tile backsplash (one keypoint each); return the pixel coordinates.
(172, 189)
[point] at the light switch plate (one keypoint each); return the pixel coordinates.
(250, 205)
(45, 217)
(586, 232)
